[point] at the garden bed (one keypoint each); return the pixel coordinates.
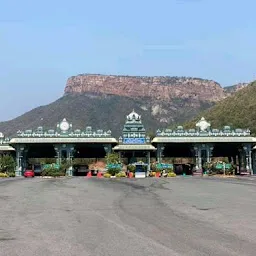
(7, 175)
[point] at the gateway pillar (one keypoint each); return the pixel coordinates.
(148, 161)
(57, 149)
(19, 160)
(70, 156)
(160, 150)
(209, 150)
(198, 159)
(254, 162)
(65, 153)
(248, 157)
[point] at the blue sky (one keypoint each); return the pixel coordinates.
(42, 43)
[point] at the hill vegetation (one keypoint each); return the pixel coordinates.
(107, 112)
(237, 111)
(102, 102)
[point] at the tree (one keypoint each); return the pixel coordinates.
(112, 158)
(7, 163)
(131, 167)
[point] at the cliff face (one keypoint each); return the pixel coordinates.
(158, 88)
(103, 102)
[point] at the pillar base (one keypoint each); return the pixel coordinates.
(69, 172)
(198, 172)
(18, 173)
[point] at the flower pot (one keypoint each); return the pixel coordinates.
(158, 174)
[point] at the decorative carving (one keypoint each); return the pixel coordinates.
(64, 130)
(134, 131)
(203, 125)
(204, 131)
(133, 116)
(3, 139)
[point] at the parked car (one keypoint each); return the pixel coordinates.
(29, 173)
(81, 170)
(38, 169)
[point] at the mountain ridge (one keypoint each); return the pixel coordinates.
(103, 101)
(164, 87)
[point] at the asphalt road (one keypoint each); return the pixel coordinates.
(78, 216)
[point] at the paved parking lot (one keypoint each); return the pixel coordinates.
(79, 216)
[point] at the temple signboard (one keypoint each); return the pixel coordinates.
(221, 166)
(134, 141)
(164, 166)
(114, 166)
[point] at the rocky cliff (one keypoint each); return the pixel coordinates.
(103, 102)
(158, 88)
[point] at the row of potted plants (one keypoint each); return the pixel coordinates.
(219, 168)
(131, 175)
(7, 174)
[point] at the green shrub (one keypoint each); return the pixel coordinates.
(213, 170)
(51, 171)
(169, 169)
(3, 175)
(121, 175)
(153, 167)
(57, 174)
(113, 171)
(131, 168)
(112, 158)
(171, 174)
(106, 175)
(7, 163)
(11, 174)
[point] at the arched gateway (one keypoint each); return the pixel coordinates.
(200, 144)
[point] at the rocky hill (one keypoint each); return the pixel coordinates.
(234, 88)
(237, 111)
(159, 88)
(103, 102)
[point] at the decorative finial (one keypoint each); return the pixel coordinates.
(203, 125)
